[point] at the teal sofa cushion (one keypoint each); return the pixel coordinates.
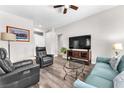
(98, 81)
(102, 65)
(80, 84)
(105, 71)
(103, 59)
(120, 67)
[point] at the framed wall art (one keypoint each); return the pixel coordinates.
(22, 35)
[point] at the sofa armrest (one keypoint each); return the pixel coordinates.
(50, 55)
(39, 59)
(19, 73)
(80, 84)
(22, 63)
(103, 59)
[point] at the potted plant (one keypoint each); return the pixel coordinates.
(63, 51)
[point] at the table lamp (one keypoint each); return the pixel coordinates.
(117, 47)
(8, 37)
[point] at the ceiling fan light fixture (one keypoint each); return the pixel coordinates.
(66, 6)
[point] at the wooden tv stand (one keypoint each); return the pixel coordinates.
(80, 54)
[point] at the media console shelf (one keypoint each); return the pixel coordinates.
(80, 54)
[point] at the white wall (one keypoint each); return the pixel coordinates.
(59, 41)
(105, 28)
(51, 42)
(19, 50)
(40, 39)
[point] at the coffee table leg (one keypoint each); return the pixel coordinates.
(65, 72)
(76, 75)
(84, 74)
(65, 76)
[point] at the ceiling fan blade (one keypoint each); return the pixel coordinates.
(74, 7)
(65, 11)
(57, 6)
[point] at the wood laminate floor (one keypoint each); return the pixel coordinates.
(53, 76)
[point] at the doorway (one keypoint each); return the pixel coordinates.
(60, 44)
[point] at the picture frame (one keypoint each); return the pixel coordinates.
(22, 35)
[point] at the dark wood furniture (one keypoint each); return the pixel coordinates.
(83, 55)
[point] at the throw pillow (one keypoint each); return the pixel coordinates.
(6, 65)
(119, 80)
(114, 62)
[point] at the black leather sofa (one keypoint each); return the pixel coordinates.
(43, 58)
(18, 75)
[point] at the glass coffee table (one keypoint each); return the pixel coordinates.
(73, 69)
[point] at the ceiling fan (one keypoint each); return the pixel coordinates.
(66, 7)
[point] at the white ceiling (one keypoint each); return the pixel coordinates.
(49, 17)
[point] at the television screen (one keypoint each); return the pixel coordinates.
(76, 44)
(80, 42)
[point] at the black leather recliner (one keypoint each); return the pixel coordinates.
(17, 75)
(43, 58)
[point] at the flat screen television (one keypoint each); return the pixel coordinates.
(80, 42)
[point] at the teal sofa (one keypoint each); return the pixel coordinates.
(102, 74)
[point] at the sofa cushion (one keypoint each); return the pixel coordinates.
(47, 59)
(99, 81)
(22, 63)
(6, 65)
(120, 67)
(41, 53)
(80, 84)
(103, 59)
(103, 65)
(119, 80)
(104, 70)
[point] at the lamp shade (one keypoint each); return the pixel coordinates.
(118, 46)
(8, 37)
